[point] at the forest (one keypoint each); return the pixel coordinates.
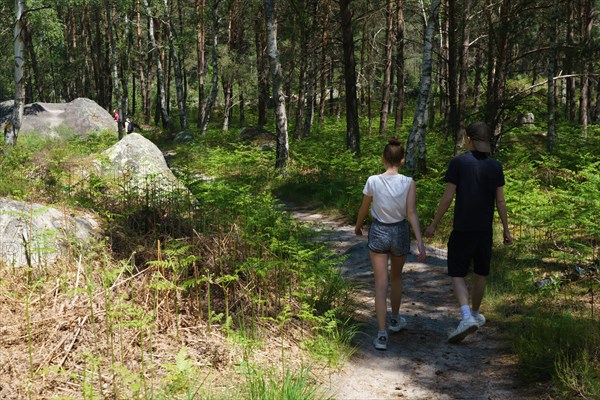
(289, 103)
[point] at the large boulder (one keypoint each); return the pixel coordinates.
(81, 116)
(141, 166)
(38, 235)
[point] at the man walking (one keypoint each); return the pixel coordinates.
(477, 181)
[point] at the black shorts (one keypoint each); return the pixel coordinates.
(464, 247)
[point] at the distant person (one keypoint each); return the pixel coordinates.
(116, 114)
(128, 125)
(391, 197)
(477, 181)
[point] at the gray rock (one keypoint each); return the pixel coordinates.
(527, 119)
(41, 233)
(81, 116)
(138, 163)
(184, 136)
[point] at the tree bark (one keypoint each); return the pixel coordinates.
(201, 66)
(162, 102)
(498, 53)
(282, 151)
(215, 66)
(586, 22)
(262, 69)
(463, 62)
(311, 71)
(552, 61)
(387, 71)
(12, 133)
(569, 68)
(416, 151)
(114, 66)
(352, 129)
(399, 114)
(177, 67)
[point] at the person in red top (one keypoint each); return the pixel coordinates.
(116, 113)
(477, 183)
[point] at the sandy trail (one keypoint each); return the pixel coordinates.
(419, 362)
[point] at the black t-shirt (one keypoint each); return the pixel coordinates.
(476, 177)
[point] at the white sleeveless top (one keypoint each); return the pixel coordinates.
(389, 194)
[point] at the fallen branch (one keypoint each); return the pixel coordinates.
(80, 325)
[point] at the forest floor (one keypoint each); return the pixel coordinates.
(419, 363)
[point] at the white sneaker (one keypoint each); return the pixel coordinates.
(480, 319)
(397, 324)
(380, 342)
(464, 329)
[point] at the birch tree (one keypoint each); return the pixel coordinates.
(177, 67)
(416, 151)
(162, 101)
(12, 132)
(282, 155)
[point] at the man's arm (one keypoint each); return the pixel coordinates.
(445, 202)
(501, 206)
(413, 218)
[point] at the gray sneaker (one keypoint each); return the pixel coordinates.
(480, 319)
(380, 342)
(464, 329)
(396, 324)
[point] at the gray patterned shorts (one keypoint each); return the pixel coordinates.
(390, 238)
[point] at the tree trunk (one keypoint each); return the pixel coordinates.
(177, 67)
(144, 90)
(352, 130)
(387, 71)
(311, 82)
(215, 66)
(569, 68)
(302, 82)
(416, 151)
(227, 84)
(262, 70)
(162, 102)
(399, 114)
(497, 69)
(324, 68)
(114, 67)
(452, 77)
(463, 75)
(586, 23)
(282, 152)
(201, 67)
(552, 61)
(12, 133)
(37, 75)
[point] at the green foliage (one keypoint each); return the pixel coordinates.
(578, 376)
(287, 385)
(544, 342)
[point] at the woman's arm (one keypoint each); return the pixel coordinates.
(362, 214)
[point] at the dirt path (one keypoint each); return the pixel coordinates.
(419, 362)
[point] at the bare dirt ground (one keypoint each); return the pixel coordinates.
(419, 362)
